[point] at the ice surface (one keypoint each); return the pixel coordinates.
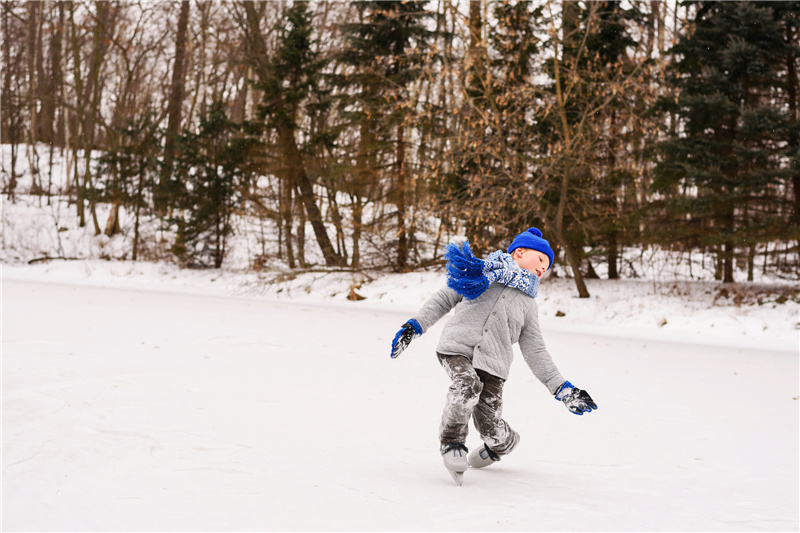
(168, 404)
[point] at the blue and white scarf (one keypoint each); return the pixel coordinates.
(470, 276)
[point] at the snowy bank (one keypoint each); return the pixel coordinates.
(686, 311)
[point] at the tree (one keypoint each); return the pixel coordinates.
(590, 74)
(787, 17)
(213, 170)
(531, 142)
(613, 57)
(385, 52)
(174, 106)
(723, 174)
(493, 150)
(130, 170)
(12, 107)
(286, 79)
(88, 96)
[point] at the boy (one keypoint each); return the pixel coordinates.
(494, 308)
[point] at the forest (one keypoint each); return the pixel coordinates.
(366, 135)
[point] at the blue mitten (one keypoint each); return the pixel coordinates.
(577, 401)
(408, 332)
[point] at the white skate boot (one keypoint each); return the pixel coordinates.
(455, 460)
(482, 457)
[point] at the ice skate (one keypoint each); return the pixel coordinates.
(455, 460)
(482, 457)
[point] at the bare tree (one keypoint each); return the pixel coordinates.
(174, 105)
(12, 126)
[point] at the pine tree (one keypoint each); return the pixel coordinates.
(130, 172)
(212, 169)
(384, 52)
(610, 49)
(286, 82)
(723, 174)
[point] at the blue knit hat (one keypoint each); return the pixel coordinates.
(533, 239)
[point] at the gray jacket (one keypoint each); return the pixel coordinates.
(485, 329)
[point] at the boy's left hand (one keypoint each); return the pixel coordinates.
(408, 332)
(577, 401)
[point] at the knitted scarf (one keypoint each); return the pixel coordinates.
(470, 276)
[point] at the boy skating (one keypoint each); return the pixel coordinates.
(494, 308)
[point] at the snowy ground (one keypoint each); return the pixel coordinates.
(142, 398)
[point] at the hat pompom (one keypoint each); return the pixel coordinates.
(535, 231)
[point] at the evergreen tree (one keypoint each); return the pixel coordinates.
(608, 49)
(130, 173)
(787, 17)
(289, 77)
(722, 176)
(593, 69)
(213, 167)
(385, 54)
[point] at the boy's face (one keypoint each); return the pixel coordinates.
(531, 260)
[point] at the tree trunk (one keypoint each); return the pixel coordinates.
(336, 217)
(402, 237)
(101, 40)
(5, 96)
(791, 94)
(112, 226)
(174, 107)
(477, 51)
(364, 178)
(574, 264)
(79, 137)
(572, 259)
(296, 169)
(613, 255)
(358, 213)
(727, 274)
(570, 17)
(137, 212)
(59, 137)
(8, 128)
(34, 46)
(286, 203)
(301, 235)
(51, 84)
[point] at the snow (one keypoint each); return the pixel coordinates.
(141, 398)
(137, 396)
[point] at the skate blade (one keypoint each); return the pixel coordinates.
(458, 477)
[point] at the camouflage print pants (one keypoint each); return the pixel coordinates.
(477, 394)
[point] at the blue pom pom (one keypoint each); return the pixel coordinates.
(535, 231)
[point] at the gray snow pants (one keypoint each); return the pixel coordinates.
(477, 394)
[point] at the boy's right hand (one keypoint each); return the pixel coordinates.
(408, 332)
